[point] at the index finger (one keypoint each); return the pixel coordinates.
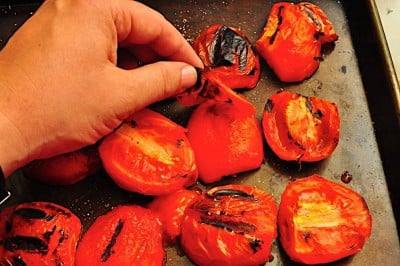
(137, 24)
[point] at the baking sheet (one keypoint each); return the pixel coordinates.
(340, 79)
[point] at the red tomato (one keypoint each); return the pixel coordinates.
(292, 39)
(171, 208)
(65, 169)
(226, 138)
(149, 154)
(38, 233)
(299, 128)
(230, 225)
(320, 221)
(126, 235)
(228, 53)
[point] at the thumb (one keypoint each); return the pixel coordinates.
(137, 88)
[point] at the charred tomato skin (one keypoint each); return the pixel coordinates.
(38, 233)
(226, 138)
(65, 169)
(171, 209)
(230, 225)
(149, 154)
(292, 39)
(300, 128)
(321, 221)
(229, 55)
(126, 235)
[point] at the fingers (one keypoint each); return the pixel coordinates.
(139, 26)
(137, 88)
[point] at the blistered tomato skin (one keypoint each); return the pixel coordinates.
(226, 138)
(171, 209)
(126, 235)
(321, 221)
(292, 39)
(230, 225)
(299, 128)
(38, 233)
(149, 154)
(228, 53)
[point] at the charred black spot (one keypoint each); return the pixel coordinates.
(16, 261)
(58, 210)
(179, 143)
(269, 105)
(230, 226)
(209, 90)
(230, 193)
(255, 244)
(26, 243)
(309, 105)
(229, 100)
(280, 20)
(32, 213)
(318, 114)
(318, 34)
(132, 124)
(226, 46)
(108, 250)
(62, 236)
(306, 235)
(48, 234)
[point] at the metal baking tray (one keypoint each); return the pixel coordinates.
(357, 75)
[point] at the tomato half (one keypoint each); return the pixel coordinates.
(228, 53)
(321, 221)
(226, 138)
(171, 208)
(230, 225)
(299, 128)
(149, 154)
(65, 169)
(38, 233)
(126, 235)
(292, 39)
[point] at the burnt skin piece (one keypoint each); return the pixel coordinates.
(292, 40)
(38, 233)
(230, 225)
(228, 53)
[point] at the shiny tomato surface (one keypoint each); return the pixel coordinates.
(321, 221)
(229, 55)
(126, 235)
(230, 225)
(38, 233)
(149, 154)
(226, 138)
(299, 128)
(171, 208)
(65, 169)
(292, 39)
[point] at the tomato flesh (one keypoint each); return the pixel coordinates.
(126, 235)
(292, 39)
(226, 138)
(38, 233)
(230, 225)
(320, 221)
(299, 128)
(149, 154)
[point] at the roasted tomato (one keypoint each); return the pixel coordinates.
(228, 53)
(320, 221)
(126, 235)
(226, 138)
(230, 225)
(292, 39)
(171, 208)
(65, 169)
(299, 128)
(38, 233)
(149, 154)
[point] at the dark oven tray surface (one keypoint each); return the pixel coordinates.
(341, 78)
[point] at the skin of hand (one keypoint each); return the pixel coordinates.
(60, 87)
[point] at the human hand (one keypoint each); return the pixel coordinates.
(60, 88)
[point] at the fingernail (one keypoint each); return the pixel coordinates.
(189, 77)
